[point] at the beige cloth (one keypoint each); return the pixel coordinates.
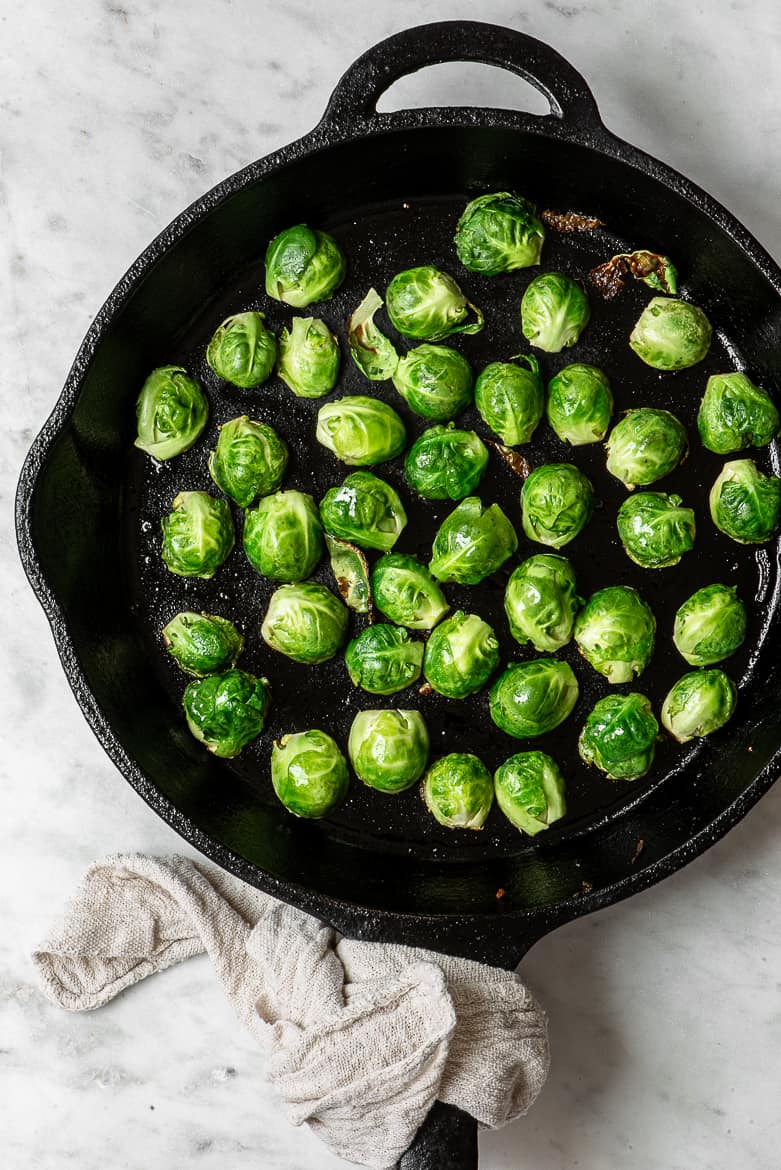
(361, 1037)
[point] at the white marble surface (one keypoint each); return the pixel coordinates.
(666, 1010)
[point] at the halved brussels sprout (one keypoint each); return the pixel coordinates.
(531, 698)
(428, 304)
(499, 233)
(710, 625)
(580, 404)
(461, 655)
(243, 351)
(383, 659)
(615, 633)
(435, 381)
(361, 431)
(171, 412)
(530, 791)
(541, 601)
(458, 791)
(373, 353)
(698, 704)
(510, 398)
(351, 571)
(554, 312)
(644, 446)
(365, 510)
(202, 643)
(309, 358)
(655, 529)
(445, 463)
(745, 504)
(556, 503)
(303, 265)
(472, 542)
(226, 711)
(305, 622)
(671, 334)
(388, 749)
(283, 537)
(309, 773)
(198, 535)
(619, 736)
(405, 592)
(249, 460)
(734, 413)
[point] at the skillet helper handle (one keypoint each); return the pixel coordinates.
(447, 1140)
(354, 101)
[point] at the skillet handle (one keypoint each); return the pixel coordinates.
(447, 1140)
(354, 101)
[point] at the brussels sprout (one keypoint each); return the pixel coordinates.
(243, 351)
(671, 334)
(461, 655)
(428, 304)
(373, 353)
(405, 592)
(472, 542)
(309, 358)
(498, 233)
(305, 622)
(619, 736)
(309, 773)
(361, 431)
(198, 535)
(351, 571)
(171, 412)
(710, 625)
(699, 703)
(226, 711)
(388, 749)
(445, 463)
(249, 460)
(303, 266)
(554, 312)
(510, 399)
(530, 791)
(644, 446)
(556, 503)
(383, 659)
(458, 791)
(531, 698)
(615, 633)
(655, 529)
(541, 602)
(202, 643)
(745, 504)
(580, 404)
(283, 537)
(734, 413)
(435, 381)
(364, 509)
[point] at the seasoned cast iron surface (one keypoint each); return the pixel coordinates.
(378, 242)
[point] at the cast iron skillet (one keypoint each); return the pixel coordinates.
(390, 187)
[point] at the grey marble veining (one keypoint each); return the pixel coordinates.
(665, 1011)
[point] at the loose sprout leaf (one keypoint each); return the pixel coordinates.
(351, 572)
(517, 463)
(658, 272)
(568, 222)
(373, 353)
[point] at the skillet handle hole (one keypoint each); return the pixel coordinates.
(460, 83)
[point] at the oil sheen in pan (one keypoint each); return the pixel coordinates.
(377, 245)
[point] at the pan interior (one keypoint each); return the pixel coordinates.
(393, 205)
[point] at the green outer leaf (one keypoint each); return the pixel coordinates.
(461, 655)
(435, 381)
(361, 431)
(554, 312)
(404, 591)
(499, 232)
(671, 334)
(427, 304)
(556, 503)
(383, 659)
(303, 266)
(250, 460)
(580, 404)
(734, 414)
(445, 463)
(365, 510)
(283, 536)
(309, 358)
(242, 350)
(305, 622)
(541, 601)
(644, 446)
(532, 698)
(373, 353)
(511, 399)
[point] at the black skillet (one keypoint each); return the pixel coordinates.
(390, 187)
